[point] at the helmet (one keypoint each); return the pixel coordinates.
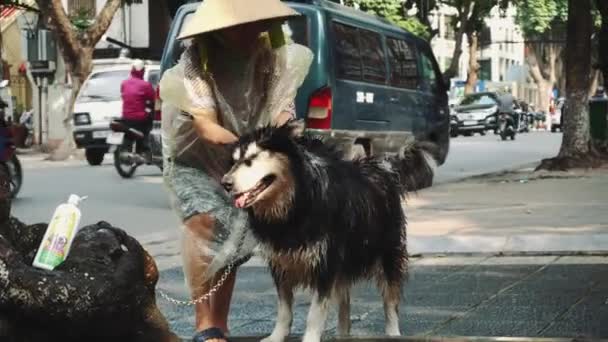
(138, 65)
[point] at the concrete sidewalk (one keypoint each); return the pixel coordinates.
(515, 213)
(512, 213)
(32, 158)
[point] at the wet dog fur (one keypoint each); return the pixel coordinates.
(325, 222)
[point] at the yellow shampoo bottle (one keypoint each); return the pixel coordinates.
(59, 235)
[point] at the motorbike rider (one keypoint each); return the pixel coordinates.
(137, 103)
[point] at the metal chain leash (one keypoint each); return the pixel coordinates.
(215, 287)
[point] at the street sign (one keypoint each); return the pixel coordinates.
(41, 51)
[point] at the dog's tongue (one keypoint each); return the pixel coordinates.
(240, 201)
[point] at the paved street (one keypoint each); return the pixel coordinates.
(141, 206)
(454, 296)
(471, 156)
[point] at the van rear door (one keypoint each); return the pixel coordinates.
(405, 102)
(359, 92)
(434, 92)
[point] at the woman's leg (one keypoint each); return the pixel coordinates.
(214, 312)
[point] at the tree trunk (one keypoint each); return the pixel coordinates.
(79, 71)
(578, 72)
(453, 69)
(575, 150)
(543, 73)
(77, 51)
(602, 6)
(473, 65)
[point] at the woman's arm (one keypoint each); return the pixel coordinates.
(210, 131)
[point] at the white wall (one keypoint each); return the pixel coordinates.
(443, 48)
(135, 19)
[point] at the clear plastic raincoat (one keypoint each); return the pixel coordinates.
(240, 94)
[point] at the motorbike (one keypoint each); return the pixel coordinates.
(124, 142)
(26, 120)
(507, 126)
(9, 163)
(522, 122)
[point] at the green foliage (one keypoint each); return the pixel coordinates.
(414, 26)
(537, 17)
(393, 11)
(82, 19)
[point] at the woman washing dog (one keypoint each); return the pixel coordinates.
(238, 73)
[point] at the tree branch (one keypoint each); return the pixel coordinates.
(103, 22)
(534, 67)
(552, 62)
(63, 26)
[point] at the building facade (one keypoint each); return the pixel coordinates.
(500, 57)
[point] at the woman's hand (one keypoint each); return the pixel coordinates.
(282, 118)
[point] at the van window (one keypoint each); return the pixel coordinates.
(429, 74)
(181, 45)
(348, 56)
(372, 53)
(404, 67)
(297, 27)
(153, 77)
(103, 86)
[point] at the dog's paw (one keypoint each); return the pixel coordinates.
(273, 338)
(308, 338)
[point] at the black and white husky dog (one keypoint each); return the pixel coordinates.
(325, 222)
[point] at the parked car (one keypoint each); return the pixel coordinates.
(557, 114)
(99, 101)
(476, 113)
(371, 83)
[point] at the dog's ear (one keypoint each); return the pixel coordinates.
(295, 127)
(230, 147)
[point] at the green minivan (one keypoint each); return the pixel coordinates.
(371, 83)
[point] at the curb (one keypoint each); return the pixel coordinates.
(423, 339)
(488, 174)
(521, 244)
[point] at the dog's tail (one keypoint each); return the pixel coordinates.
(415, 164)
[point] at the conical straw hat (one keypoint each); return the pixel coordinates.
(214, 15)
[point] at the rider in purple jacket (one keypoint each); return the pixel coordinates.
(138, 100)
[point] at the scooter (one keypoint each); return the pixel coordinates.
(9, 163)
(507, 126)
(26, 120)
(124, 142)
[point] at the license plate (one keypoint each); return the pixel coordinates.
(470, 123)
(115, 138)
(100, 134)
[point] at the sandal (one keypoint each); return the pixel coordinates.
(209, 334)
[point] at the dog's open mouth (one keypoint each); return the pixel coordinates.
(246, 198)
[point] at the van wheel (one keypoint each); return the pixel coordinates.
(357, 151)
(362, 146)
(95, 156)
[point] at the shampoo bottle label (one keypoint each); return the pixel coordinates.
(55, 247)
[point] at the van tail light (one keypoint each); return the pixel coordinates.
(319, 109)
(157, 105)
